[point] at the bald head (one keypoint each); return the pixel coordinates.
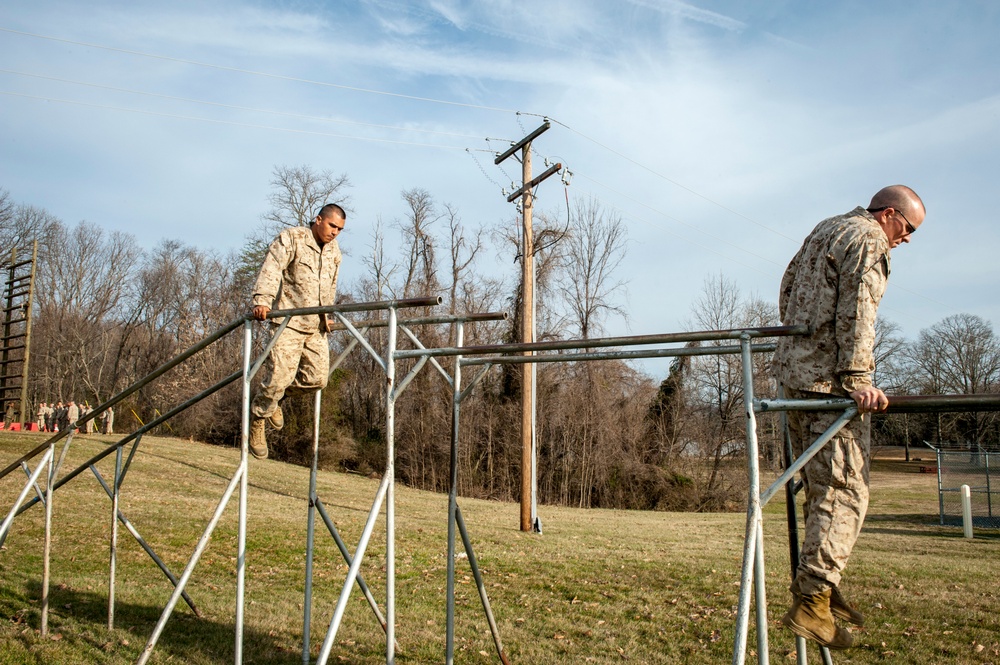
(901, 198)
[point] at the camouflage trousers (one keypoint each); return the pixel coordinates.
(835, 483)
(298, 362)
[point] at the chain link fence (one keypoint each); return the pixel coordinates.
(980, 470)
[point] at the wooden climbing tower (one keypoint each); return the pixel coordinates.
(18, 291)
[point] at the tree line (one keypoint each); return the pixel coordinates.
(107, 312)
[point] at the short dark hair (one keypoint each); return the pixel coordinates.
(332, 209)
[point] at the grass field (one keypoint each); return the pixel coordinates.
(599, 586)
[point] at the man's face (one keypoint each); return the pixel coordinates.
(325, 229)
(897, 227)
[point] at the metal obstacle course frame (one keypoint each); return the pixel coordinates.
(495, 356)
(752, 571)
(48, 461)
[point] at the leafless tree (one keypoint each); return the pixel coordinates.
(298, 192)
(959, 354)
(889, 345)
(716, 398)
(420, 264)
(594, 248)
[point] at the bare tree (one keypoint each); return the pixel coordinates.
(960, 354)
(298, 192)
(889, 345)
(594, 248)
(716, 400)
(463, 251)
(420, 264)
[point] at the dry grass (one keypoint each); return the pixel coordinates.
(599, 586)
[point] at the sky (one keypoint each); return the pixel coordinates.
(720, 131)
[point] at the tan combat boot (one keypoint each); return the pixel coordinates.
(276, 419)
(258, 442)
(842, 610)
(810, 617)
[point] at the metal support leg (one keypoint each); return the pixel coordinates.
(32, 482)
(47, 547)
(192, 562)
(456, 398)
(390, 501)
(142, 543)
(349, 559)
(474, 564)
(791, 516)
(113, 556)
(352, 573)
(241, 537)
(310, 532)
(753, 551)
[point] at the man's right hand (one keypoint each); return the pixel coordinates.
(260, 312)
(870, 399)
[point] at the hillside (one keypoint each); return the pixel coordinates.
(599, 586)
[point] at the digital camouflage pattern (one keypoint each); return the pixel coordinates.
(298, 361)
(834, 285)
(835, 485)
(296, 273)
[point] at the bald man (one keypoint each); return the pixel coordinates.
(834, 285)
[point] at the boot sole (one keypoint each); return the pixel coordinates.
(802, 631)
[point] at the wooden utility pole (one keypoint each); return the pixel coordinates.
(528, 521)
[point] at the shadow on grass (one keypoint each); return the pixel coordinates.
(79, 619)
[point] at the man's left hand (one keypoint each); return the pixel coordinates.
(870, 399)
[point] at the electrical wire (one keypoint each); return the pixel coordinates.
(280, 77)
(236, 124)
(662, 176)
(235, 107)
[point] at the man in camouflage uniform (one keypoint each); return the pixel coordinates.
(834, 285)
(40, 417)
(299, 270)
(109, 420)
(72, 414)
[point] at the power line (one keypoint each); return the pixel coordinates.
(663, 177)
(397, 95)
(236, 107)
(280, 77)
(236, 124)
(679, 221)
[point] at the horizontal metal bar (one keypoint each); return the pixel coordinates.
(12, 348)
(405, 303)
(162, 369)
(635, 340)
(897, 404)
(428, 320)
(617, 355)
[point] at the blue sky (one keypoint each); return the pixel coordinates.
(720, 131)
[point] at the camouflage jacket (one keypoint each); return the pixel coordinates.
(833, 285)
(297, 273)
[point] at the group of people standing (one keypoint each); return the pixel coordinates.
(59, 416)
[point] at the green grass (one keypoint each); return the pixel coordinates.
(599, 586)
